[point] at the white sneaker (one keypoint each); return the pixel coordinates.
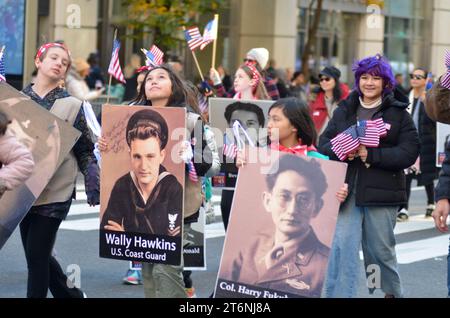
(402, 215)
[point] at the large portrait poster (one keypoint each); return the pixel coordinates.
(252, 118)
(142, 180)
(281, 227)
(194, 243)
(49, 138)
(442, 138)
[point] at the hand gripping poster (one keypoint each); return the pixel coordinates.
(49, 139)
(281, 228)
(142, 180)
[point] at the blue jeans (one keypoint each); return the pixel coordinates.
(374, 228)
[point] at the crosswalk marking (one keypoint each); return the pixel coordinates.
(408, 252)
(81, 225)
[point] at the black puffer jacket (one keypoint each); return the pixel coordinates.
(427, 140)
(443, 186)
(383, 183)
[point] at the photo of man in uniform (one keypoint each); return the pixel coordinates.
(148, 199)
(249, 115)
(292, 259)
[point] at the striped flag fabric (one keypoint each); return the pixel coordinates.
(368, 133)
(2, 68)
(230, 150)
(210, 33)
(154, 57)
(114, 66)
(192, 172)
(445, 80)
(365, 132)
(193, 38)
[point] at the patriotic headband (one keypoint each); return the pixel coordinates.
(47, 46)
(144, 68)
(255, 74)
(445, 80)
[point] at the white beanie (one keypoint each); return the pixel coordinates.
(260, 54)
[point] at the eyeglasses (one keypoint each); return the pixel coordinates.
(326, 79)
(417, 77)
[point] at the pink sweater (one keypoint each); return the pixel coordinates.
(17, 162)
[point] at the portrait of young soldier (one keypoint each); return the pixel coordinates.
(291, 259)
(148, 199)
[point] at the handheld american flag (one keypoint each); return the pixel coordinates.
(154, 57)
(368, 133)
(114, 66)
(2, 67)
(210, 33)
(230, 150)
(193, 38)
(445, 80)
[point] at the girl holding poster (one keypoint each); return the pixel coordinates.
(162, 87)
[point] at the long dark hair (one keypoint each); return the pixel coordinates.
(297, 111)
(337, 91)
(183, 95)
(4, 122)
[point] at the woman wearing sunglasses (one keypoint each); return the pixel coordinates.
(424, 170)
(330, 94)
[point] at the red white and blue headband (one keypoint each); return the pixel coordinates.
(255, 74)
(47, 46)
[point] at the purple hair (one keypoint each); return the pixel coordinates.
(377, 66)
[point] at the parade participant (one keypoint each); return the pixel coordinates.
(39, 227)
(163, 88)
(330, 94)
(247, 84)
(424, 170)
(376, 181)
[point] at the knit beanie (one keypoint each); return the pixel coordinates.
(260, 55)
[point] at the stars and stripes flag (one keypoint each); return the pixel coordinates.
(2, 67)
(230, 149)
(365, 132)
(154, 57)
(114, 66)
(210, 33)
(193, 38)
(368, 133)
(345, 143)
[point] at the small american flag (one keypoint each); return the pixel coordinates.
(154, 56)
(382, 127)
(210, 33)
(2, 68)
(114, 66)
(193, 38)
(368, 133)
(230, 150)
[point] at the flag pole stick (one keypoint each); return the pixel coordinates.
(196, 62)
(213, 64)
(110, 76)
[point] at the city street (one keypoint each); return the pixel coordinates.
(421, 252)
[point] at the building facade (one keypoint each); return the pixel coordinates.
(411, 33)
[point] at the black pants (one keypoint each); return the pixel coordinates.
(225, 206)
(429, 189)
(44, 272)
